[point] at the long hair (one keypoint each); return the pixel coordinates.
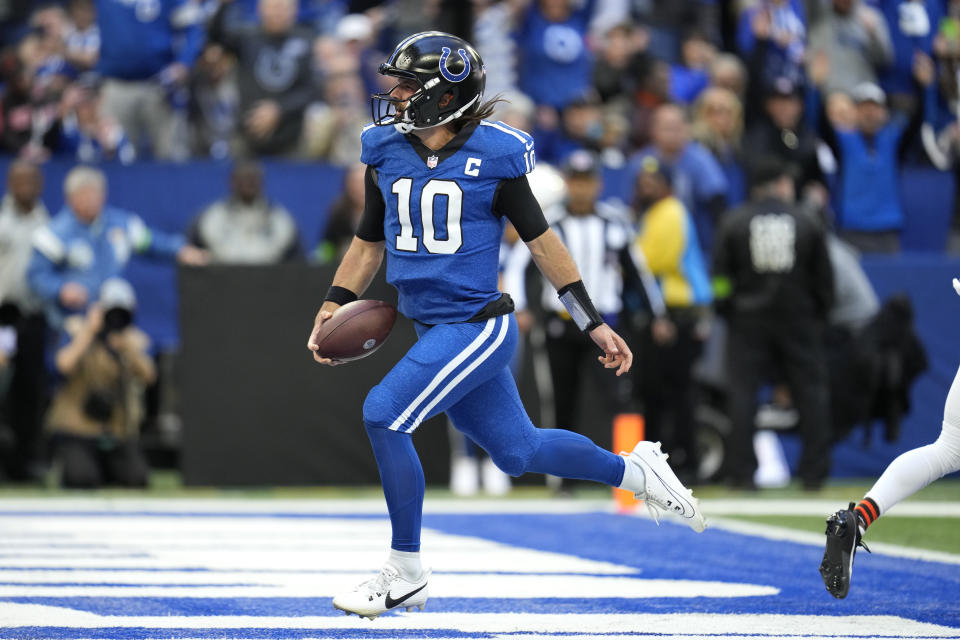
(718, 142)
(484, 111)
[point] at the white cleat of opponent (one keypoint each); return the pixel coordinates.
(663, 490)
(385, 592)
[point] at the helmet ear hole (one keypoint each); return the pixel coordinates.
(445, 100)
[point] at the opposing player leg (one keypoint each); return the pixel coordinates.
(493, 416)
(906, 475)
(446, 363)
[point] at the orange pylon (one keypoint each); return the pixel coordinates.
(627, 432)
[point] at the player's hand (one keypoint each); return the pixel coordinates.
(956, 286)
(322, 316)
(617, 354)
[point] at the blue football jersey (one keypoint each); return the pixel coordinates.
(442, 236)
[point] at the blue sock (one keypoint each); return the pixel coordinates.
(570, 455)
(402, 478)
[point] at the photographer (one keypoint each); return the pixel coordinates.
(96, 413)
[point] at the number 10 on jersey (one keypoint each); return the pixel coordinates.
(406, 241)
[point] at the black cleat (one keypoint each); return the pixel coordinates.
(843, 538)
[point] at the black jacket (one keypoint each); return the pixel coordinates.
(797, 147)
(770, 258)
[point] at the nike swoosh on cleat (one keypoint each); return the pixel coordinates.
(680, 500)
(390, 603)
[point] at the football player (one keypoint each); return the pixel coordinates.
(906, 475)
(440, 181)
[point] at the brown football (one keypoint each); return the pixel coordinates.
(356, 330)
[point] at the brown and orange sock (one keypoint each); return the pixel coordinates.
(867, 511)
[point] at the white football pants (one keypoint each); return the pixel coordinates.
(917, 468)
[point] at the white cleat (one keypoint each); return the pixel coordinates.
(385, 592)
(663, 491)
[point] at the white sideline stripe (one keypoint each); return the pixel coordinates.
(771, 532)
(726, 626)
(505, 130)
(820, 507)
(504, 324)
(444, 372)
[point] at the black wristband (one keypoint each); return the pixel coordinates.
(578, 304)
(340, 295)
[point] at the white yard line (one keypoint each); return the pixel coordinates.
(676, 625)
(821, 507)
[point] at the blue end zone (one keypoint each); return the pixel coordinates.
(917, 590)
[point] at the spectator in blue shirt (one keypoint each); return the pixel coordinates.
(88, 242)
(690, 76)
(913, 26)
(772, 35)
(86, 132)
(83, 40)
(146, 51)
(555, 61)
(698, 180)
(870, 212)
(667, 20)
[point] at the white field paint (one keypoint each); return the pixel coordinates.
(293, 557)
(451, 586)
(674, 626)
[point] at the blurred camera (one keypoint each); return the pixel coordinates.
(116, 319)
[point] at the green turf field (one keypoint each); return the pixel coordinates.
(938, 534)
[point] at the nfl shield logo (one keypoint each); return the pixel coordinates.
(432, 162)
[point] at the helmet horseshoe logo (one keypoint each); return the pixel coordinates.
(459, 77)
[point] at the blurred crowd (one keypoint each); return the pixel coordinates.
(744, 140)
(122, 80)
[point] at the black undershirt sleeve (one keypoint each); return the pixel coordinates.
(515, 200)
(371, 222)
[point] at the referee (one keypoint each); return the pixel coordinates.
(598, 236)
